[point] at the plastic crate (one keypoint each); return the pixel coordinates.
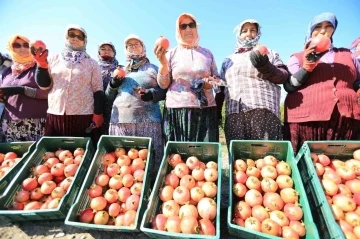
(282, 150)
(22, 149)
(105, 145)
(205, 152)
(323, 216)
(47, 144)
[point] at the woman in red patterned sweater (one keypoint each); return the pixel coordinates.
(322, 103)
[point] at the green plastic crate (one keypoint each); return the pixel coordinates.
(22, 149)
(205, 152)
(105, 145)
(255, 149)
(323, 216)
(47, 144)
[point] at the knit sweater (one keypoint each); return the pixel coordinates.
(329, 85)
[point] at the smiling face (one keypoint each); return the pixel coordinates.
(188, 29)
(76, 38)
(324, 28)
(21, 47)
(134, 46)
(248, 31)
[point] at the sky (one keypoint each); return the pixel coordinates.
(283, 22)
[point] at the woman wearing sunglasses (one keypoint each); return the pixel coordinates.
(185, 71)
(76, 97)
(253, 95)
(25, 104)
(136, 109)
(108, 63)
(321, 103)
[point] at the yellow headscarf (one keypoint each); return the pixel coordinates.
(179, 39)
(16, 57)
(20, 63)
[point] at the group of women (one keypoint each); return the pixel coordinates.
(69, 93)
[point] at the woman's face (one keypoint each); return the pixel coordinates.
(188, 29)
(248, 31)
(76, 38)
(134, 46)
(106, 50)
(21, 47)
(324, 28)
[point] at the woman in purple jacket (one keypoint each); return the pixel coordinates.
(25, 103)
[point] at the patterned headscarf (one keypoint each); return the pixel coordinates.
(355, 44)
(107, 67)
(179, 39)
(327, 16)
(69, 53)
(244, 45)
(134, 60)
(20, 63)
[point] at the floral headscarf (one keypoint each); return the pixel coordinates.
(179, 39)
(71, 55)
(107, 67)
(244, 45)
(20, 63)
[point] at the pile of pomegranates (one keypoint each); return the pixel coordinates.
(48, 182)
(7, 162)
(115, 194)
(265, 199)
(188, 197)
(340, 180)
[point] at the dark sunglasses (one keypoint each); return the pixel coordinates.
(73, 35)
(191, 25)
(18, 45)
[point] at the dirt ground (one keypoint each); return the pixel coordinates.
(57, 229)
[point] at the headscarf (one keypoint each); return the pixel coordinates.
(180, 41)
(69, 53)
(107, 67)
(244, 45)
(134, 60)
(20, 63)
(327, 16)
(355, 44)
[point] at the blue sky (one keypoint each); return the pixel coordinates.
(284, 22)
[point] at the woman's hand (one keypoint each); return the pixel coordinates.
(161, 55)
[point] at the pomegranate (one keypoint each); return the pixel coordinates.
(262, 49)
(321, 42)
(206, 227)
(159, 221)
(162, 42)
(119, 73)
(101, 218)
(189, 225)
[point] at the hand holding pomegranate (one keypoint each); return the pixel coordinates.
(310, 58)
(258, 56)
(161, 46)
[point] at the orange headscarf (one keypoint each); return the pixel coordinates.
(179, 39)
(21, 63)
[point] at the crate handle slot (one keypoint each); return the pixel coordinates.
(259, 145)
(127, 140)
(194, 146)
(69, 141)
(336, 146)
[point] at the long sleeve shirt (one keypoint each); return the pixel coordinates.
(186, 65)
(73, 86)
(248, 88)
(21, 106)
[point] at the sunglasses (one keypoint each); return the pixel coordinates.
(73, 35)
(18, 45)
(184, 26)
